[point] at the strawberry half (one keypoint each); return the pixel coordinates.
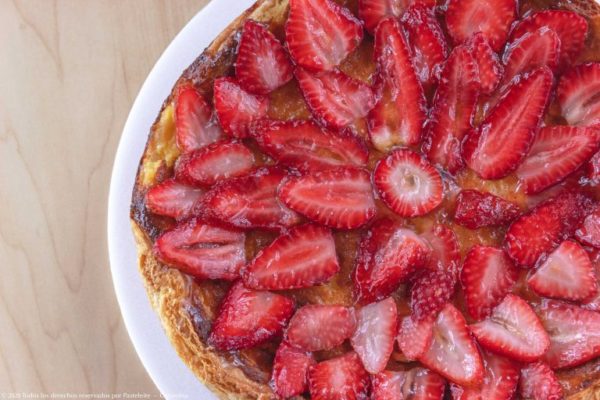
(303, 257)
(290, 371)
(339, 378)
(430, 291)
(321, 33)
(340, 198)
(408, 184)
(415, 336)
(589, 231)
(538, 382)
(371, 12)
(577, 95)
(445, 254)
(497, 147)
(476, 209)
(490, 69)
(262, 65)
(415, 384)
(513, 330)
(593, 303)
(321, 327)
(172, 199)
(202, 250)
(249, 317)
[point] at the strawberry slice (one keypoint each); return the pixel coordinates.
(415, 384)
(492, 18)
(538, 382)
(501, 142)
(490, 69)
(262, 65)
(307, 147)
(513, 330)
(290, 371)
(371, 12)
(373, 339)
(487, 276)
(250, 201)
(577, 95)
(321, 33)
(408, 184)
(387, 385)
(236, 109)
(248, 318)
(303, 257)
(445, 254)
(340, 198)
(202, 250)
(589, 231)
(334, 98)
(593, 303)
(321, 327)
(453, 110)
(195, 126)
(499, 383)
(173, 199)
(414, 337)
(401, 109)
(476, 209)
(593, 169)
(339, 378)
(430, 291)
(453, 353)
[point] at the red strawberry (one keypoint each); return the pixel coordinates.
(340, 198)
(307, 147)
(400, 112)
(321, 33)
(453, 353)
(202, 250)
(513, 330)
(375, 333)
(173, 199)
(249, 317)
(499, 383)
(476, 209)
(339, 378)
(371, 12)
(334, 98)
(567, 274)
(303, 257)
(262, 64)
(538, 382)
(577, 95)
(408, 184)
(194, 125)
(445, 252)
(490, 69)
(593, 303)
(501, 142)
(387, 385)
(589, 231)
(236, 108)
(290, 371)
(430, 292)
(593, 169)
(415, 384)
(250, 201)
(414, 337)
(321, 327)
(487, 276)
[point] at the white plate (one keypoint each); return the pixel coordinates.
(167, 370)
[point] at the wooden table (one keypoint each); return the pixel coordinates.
(70, 70)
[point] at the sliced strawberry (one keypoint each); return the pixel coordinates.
(499, 383)
(400, 112)
(408, 184)
(371, 12)
(202, 250)
(453, 353)
(307, 147)
(577, 95)
(173, 199)
(476, 209)
(339, 378)
(340, 198)
(430, 291)
(236, 108)
(593, 169)
(487, 276)
(538, 382)
(490, 69)
(415, 384)
(334, 98)
(414, 337)
(387, 385)
(593, 303)
(321, 33)
(303, 257)
(321, 327)
(501, 142)
(375, 333)
(290, 371)
(589, 231)
(445, 254)
(250, 201)
(262, 65)
(513, 330)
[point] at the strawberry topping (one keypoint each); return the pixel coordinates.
(589, 231)
(173, 199)
(445, 254)
(577, 95)
(415, 384)
(339, 378)
(476, 209)
(538, 382)
(490, 69)
(290, 371)
(430, 291)
(321, 327)
(195, 126)
(414, 337)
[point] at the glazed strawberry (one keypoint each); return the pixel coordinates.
(249, 317)
(320, 327)
(593, 169)
(371, 12)
(339, 378)
(577, 95)
(195, 126)
(236, 108)
(593, 303)
(340, 198)
(250, 201)
(430, 291)
(475, 209)
(513, 330)
(487, 276)
(490, 69)
(400, 112)
(290, 371)
(414, 337)
(202, 250)
(387, 385)
(415, 384)
(303, 257)
(373, 339)
(262, 64)
(445, 254)
(408, 184)
(172, 199)
(538, 382)
(320, 33)
(499, 383)
(307, 147)
(589, 231)
(501, 142)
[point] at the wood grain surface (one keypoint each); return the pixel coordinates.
(69, 72)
